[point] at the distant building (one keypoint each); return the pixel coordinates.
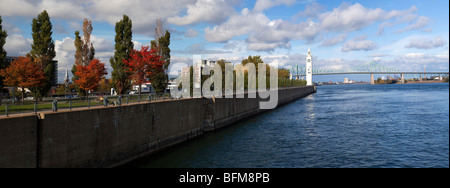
(10, 59)
(200, 65)
(205, 63)
(185, 72)
(346, 81)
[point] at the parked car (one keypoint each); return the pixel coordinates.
(29, 98)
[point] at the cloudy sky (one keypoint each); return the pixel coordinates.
(403, 34)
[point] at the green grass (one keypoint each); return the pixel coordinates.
(43, 106)
(18, 108)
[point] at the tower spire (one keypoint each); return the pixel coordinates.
(66, 78)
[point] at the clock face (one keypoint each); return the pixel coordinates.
(309, 60)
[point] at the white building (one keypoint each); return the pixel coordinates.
(346, 81)
(145, 88)
(204, 63)
(309, 68)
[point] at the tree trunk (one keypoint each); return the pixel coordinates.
(23, 95)
(140, 85)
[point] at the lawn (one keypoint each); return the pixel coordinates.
(65, 104)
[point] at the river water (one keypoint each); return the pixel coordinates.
(344, 126)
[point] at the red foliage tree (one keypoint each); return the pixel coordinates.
(23, 73)
(89, 76)
(143, 66)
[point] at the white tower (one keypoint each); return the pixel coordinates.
(309, 68)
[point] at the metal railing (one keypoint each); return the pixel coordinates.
(9, 107)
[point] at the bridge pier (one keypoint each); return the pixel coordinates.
(403, 78)
(372, 81)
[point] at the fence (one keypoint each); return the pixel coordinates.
(8, 107)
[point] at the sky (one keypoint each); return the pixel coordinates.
(408, 35)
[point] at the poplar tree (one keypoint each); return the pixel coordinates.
(161, 45)
(85, 51)
(3, 64)
(123, 48)
(78, 49)
(43, 52)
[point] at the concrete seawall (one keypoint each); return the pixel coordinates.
(111, 136)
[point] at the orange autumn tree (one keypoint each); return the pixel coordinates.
(89, 76)
(143, 65)
(23, 73)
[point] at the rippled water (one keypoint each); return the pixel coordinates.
(339, 126)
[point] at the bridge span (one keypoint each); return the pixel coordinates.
(372, 81)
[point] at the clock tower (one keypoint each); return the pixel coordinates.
(309, 68)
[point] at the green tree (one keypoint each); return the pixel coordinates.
(78, 58)
(79, 48)
(379, 81)
(256, 60)
(123, 47)
(222, 64)
(3, 64)
(283, 73)
(43, 52)
(161, 46)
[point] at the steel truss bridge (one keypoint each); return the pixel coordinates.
(369, 68)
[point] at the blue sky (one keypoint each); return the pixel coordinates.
(407, 35)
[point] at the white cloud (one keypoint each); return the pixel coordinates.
(262, 5)
(421, 22)
(191, 33)
(236, 25)
(402, 62)
(200, 48)
(417, 61)
(143, 13)
(17, 45)
(18, 7)
(358, 45)
(11, 28)
(287, 60)
(426, 43)
(65, 53)
(64, 9)
(355, 17)
(312, 10)
(334, 40)
(55, 8)
(236, 45)
(102, 44)
(264, 34)
(212, 11)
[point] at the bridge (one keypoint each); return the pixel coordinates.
(369, 69)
